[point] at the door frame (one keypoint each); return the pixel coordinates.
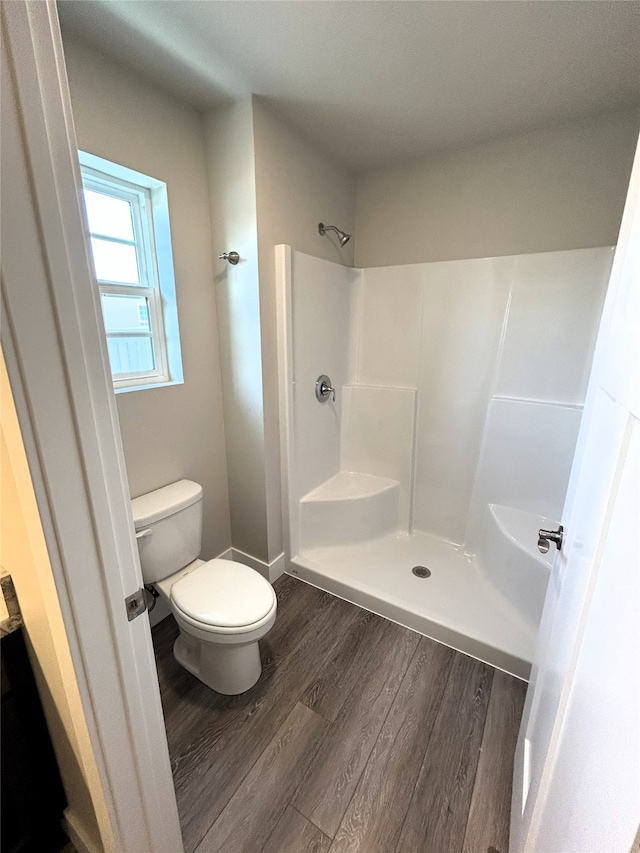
(56, 358)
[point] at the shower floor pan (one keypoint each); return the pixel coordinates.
(453, 605)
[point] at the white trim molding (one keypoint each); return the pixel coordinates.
(284, 302)
(149, 202)
(271, 571)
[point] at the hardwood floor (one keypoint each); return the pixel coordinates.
(360, 737)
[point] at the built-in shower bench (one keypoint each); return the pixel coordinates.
(348, 508)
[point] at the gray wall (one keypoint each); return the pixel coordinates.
(267, 186)
(561, 187)
(296, 188)
(174, 432)
(231, 165)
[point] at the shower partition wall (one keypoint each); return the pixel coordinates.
(459, 393)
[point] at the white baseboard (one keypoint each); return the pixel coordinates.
(78, 834)
(271, 571)
(226, 555)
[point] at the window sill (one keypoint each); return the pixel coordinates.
(126, 390)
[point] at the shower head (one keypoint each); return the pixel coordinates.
(342, 237)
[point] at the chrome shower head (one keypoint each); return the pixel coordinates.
(342, 237)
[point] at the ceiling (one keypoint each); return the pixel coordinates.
(376, 81)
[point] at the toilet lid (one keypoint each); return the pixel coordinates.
(224, 593)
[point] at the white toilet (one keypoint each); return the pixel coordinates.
(223, 608)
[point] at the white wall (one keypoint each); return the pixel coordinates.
(435, 328)
(542, 368)
(296, 188)
(378, 435)
(323, 316)
(499, 350)
(174, 432)
(463, 312)
(560, 187)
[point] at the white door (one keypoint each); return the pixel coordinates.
(577, 770)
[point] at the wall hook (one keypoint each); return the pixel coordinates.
(232, 257)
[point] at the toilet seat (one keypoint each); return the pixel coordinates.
(224, 597)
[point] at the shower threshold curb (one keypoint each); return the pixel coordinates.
(304, 570)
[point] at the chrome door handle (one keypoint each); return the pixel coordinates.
(545, 537)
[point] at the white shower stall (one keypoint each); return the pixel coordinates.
(459, 390)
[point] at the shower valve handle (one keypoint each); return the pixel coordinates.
(327, 389)
(324, 389)
(545, 537)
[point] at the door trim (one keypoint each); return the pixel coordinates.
(58, 368)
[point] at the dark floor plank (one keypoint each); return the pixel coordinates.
(322, 649)
(376, 812)
(254, 810)
(325, 793)
(232, 732)
(437, 816)
(342, 671)
(295, 834)
(488, 823)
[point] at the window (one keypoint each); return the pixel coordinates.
(128, 219)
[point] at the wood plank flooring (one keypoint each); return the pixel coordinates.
(360, 737)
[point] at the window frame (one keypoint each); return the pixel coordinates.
(152, 239)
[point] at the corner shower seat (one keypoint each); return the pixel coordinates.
(349, 508)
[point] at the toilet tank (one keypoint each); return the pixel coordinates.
(168, 524)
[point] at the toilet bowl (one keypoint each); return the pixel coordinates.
(223, 608)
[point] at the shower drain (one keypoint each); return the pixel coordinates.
(421, 572)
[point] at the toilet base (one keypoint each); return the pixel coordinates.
(226, 668)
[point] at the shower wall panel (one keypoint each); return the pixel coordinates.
(378, 437)
(323, 297)
(555, 308)
(461, 380)
(462, 320)
(466, 334)
(534, 414)
(525, 461)
(388, 326)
